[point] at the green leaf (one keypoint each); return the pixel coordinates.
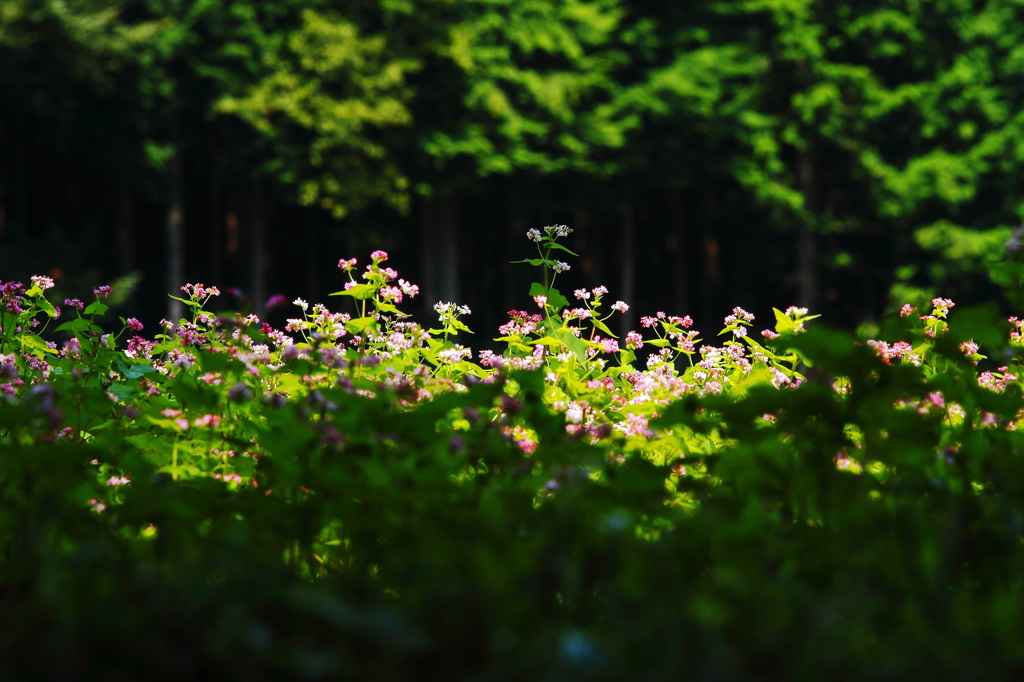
(46, 306)
(460, 326)
(77, 325)
(96, 308)
(360, 325)
(359, 292)
(122, 391)
(187, 302)
(559, 246)
(658, 343)
(34, 342)
(555, 298)
(548, 341)
(536, 261)
(134, 370)
(603, 327)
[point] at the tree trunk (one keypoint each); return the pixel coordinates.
(712, 278)
(677, 246)
(808, 294)
(124, 236)
(627, 269)
(258, 249)
(175, 233)
(428, 254)
(448, 251)
(313, 256)
(216, 222)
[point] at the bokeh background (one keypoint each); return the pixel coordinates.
(844, 156)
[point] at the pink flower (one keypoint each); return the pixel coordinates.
(634, 341)
(392, 294)
(942, 305)
(648, 321)
(907, 310)
(379, 256)
(410, 289)
(208, 420)
(133, 324)
(347, 264)
(687, 321)
(102, 292)
(969, 348)
(769, 334)
(620, 307)
(74, 303)
(600, 291)
(608, 345)
(541, 301)
(42, 282)
(581, 294)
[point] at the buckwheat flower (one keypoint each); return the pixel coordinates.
(533, 234)
(302, 304)
(72, 347)
(620, 306)
(116, 481)
(769, 334)
(411, 290)
(208, 420)
(97, 505)
(102, 292)
(634, 341)
(743, 316)
(942, 305)
(133, 324)
(582, 294)
(560, 267)
(609, 345)
(452, 355)
(739, 332)
(74, 303)
(794, 311)
(274, 301)
(600, 291)
(907, 310)
(648, 321)
(347, 265)
(541, 301)
(778, 378)
(239, 393)
(969, 348)
(42, 282)
(391, 294)
(464, 310)
(379, 256)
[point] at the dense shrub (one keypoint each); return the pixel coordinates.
(355, 498)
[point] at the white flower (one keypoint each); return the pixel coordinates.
(302, 304)
(620, 307)
(560, 267)
(534, 234)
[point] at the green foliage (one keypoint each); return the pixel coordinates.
(361, 499)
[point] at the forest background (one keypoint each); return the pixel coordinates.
(844, 156)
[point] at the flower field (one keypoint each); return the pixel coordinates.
(360, 496)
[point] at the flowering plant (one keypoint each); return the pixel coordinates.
(300, 493)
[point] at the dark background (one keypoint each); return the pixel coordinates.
(706, 155)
